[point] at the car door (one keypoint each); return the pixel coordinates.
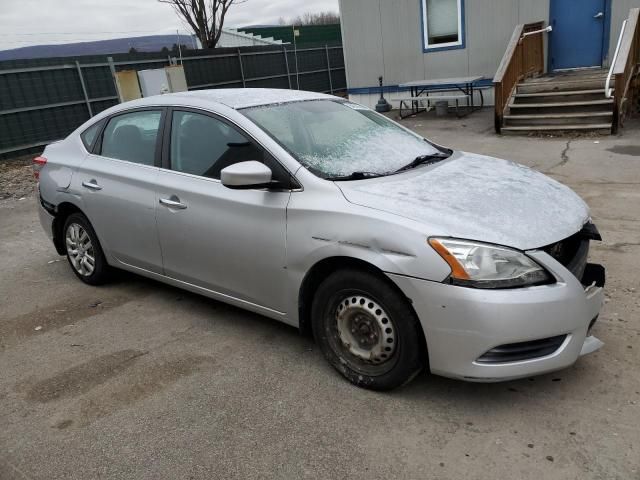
(229, 241)
(118, 187)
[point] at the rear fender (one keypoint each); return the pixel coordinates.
(63, 158)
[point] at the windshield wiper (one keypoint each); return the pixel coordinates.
(356, 176)
(421, 160)
(424, 159)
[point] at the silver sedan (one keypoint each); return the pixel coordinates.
(397, 254)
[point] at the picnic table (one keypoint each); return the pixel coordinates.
(461, 88)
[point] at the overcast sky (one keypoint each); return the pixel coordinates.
(34, 22)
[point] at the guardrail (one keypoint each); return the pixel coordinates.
(523, 58)
(625, 70)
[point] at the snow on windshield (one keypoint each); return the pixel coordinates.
(335, 139)
(380, 150)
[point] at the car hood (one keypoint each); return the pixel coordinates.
(477, 198)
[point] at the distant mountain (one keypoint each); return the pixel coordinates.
(152, 43)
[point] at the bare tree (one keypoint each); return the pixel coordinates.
(205, 17)
(321, 18)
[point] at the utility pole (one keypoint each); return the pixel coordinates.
(179, 47)
(296, 33)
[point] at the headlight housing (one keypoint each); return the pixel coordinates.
(482, 265)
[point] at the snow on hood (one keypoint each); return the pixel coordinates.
(479, 198)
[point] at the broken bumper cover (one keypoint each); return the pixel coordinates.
(461, 324)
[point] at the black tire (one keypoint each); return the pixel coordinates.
(101, 270)
(345, 290)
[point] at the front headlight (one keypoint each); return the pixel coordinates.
(481, 265)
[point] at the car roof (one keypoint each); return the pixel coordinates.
(235, 98)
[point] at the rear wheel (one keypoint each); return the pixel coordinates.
(367, 330)
(84, 251)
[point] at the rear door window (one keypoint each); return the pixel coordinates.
(132, 137)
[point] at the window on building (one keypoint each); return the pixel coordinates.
(443, 23)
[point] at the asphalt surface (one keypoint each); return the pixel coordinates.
(138, 380)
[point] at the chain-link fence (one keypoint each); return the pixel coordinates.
(43, 100)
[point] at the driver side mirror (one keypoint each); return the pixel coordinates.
(246, 175)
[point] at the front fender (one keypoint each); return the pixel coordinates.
(317, 230)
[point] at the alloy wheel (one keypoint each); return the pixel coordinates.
(80, 249)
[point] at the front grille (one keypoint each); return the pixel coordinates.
(516, 352)
(572, 253)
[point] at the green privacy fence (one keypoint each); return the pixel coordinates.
(43, 100)
(308, 36)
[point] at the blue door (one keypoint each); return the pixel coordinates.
(578, 33)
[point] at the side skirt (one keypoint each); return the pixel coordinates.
(252, 307)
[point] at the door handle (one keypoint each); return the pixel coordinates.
(173, 202)
(599, 15)
(92, 185)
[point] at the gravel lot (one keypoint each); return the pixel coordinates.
(16, 179)
(139, 380)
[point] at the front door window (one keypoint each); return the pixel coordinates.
(204, 145)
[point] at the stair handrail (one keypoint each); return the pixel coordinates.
(625, 70)
(548, 29)
(523, 57)
(607, 86)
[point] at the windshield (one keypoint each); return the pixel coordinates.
(335, 139)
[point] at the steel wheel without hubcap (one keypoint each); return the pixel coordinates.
(365, 330)
(80, 249)
(362, 333)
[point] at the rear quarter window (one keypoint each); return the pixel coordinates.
(89, 135)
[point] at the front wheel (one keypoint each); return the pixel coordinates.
(367, 330)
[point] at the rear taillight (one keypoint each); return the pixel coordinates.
(38, 164)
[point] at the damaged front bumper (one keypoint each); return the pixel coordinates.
(496, 335)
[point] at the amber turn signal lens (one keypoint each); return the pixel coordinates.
(457, 271)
